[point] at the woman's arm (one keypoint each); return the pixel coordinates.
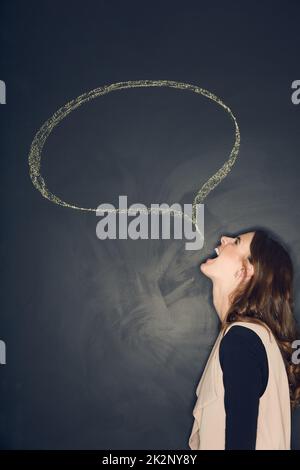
(244, 364)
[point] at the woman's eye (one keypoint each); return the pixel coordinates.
(236, 240)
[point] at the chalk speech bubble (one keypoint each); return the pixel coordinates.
(41, 136)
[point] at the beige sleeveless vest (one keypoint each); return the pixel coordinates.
(274, 415)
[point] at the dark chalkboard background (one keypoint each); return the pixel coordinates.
(106, 340)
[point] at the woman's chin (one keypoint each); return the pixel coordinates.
(205, 266)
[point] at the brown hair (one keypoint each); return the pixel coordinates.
(267, 299)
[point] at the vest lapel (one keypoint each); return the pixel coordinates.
(206, 389)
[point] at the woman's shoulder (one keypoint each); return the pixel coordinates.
(239, 338)
(249, 330)
(239, 332)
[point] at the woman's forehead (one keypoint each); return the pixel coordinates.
(245, 242)
(247, 237)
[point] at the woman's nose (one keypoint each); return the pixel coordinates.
(225, 240)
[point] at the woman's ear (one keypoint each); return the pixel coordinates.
(246, 272)
(249, 270)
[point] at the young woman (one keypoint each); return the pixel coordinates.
(250, 383)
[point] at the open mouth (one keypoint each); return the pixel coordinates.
(214, 255)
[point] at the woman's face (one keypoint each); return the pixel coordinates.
(227, 267)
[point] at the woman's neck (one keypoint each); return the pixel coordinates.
(220, 300)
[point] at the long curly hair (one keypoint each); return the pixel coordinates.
(267, 299)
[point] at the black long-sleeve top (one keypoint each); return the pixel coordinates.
(245, 369)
